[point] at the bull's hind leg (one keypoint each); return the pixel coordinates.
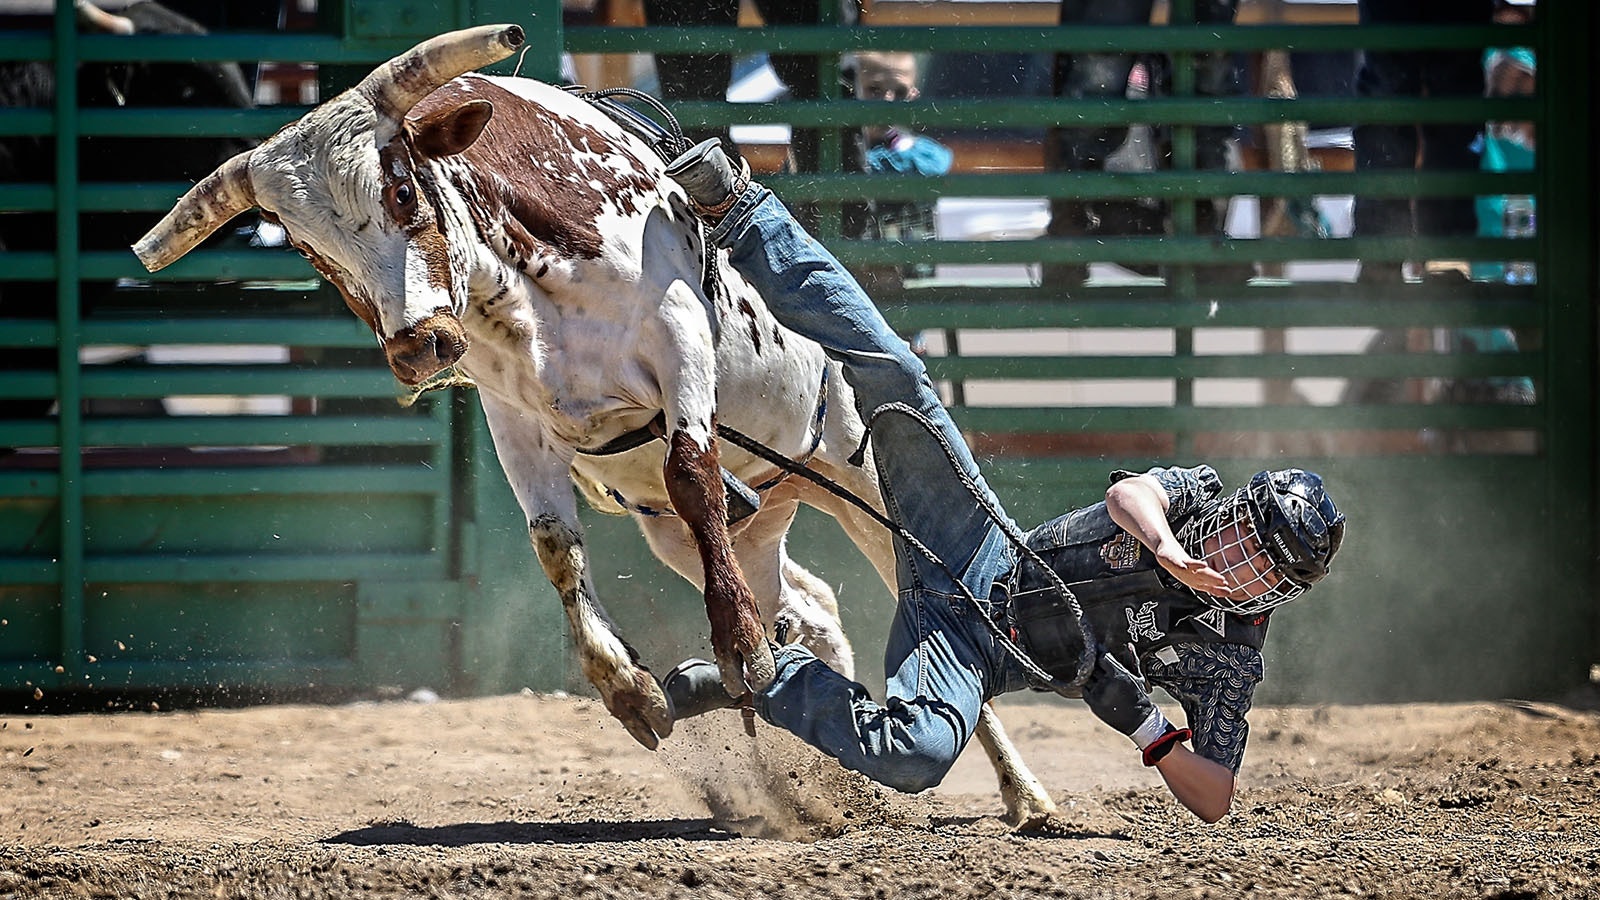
(1027, 802)
(782, 589)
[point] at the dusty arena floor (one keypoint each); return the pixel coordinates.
(544, 796)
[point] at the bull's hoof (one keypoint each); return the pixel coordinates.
(642, 708)
(749, 671)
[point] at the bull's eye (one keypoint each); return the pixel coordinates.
(402, 194)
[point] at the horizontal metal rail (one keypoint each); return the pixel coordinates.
(312, 48)
(1194, 419)
(158, 198)
(310, 480)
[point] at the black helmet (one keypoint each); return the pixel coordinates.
(1271, 540)
(1298, 522)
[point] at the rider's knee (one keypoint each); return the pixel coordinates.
(914, 770)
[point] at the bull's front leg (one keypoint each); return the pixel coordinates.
(694, 483)
(538, 476)
(682, 351)
(608, 662)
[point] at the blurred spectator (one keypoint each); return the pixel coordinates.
(1437, 145)
(1507, 147)
(1089, 75)
(705, 76)
(892, 149)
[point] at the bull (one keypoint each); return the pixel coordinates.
(509, 229)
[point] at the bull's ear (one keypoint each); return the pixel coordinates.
(450, 131)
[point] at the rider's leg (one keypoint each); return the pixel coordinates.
(940, 658)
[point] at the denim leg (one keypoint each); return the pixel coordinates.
(812, 294)
(940, 659)
(933, 697)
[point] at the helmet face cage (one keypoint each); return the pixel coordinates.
(1225, 537)
(1271, 539)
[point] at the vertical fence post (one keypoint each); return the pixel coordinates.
(1181, 278)
(69, 566)
(1567, 244)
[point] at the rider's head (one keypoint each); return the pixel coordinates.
(1271, 539)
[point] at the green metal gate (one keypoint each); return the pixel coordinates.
(228, 495)
(1469, 567)
(356, 543)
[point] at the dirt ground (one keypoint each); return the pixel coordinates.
(545, 796)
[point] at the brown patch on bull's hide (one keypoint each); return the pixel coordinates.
(332, 274)
(410, 208)
(749, 313)
(531, 176)
(693, 482)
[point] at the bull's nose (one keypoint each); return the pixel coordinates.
(424, 350)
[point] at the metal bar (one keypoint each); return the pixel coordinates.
(970, 113)
(254, 567)
(1406, 417)
(1197, 249)
(1041, 112)
(231, 431)
(259, 674)
(1252, 308)
(1187, 366)
(104, 197)
(69, 421)
(1037, 39)
(211, 380)
(188, 568)
(308, 480)
(1161, 184)
(301, 332)
(237, 47)
(1567, 234)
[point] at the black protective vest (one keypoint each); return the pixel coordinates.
(1134, 607)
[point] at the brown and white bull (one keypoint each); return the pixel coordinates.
(509, 229)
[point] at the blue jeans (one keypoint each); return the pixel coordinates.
(941, 661)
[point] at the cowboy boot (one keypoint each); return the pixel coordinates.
(710, 179)
(694, 687)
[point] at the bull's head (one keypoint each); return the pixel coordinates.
(347, 183)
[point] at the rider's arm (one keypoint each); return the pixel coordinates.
(1139, 505)
(1215, 683)
(1202, 786)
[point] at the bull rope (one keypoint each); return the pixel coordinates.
(1006, 637)
(668, 142)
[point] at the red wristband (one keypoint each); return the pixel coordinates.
(1163, 745)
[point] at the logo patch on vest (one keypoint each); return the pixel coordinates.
(1142, 625)
(1214, 619)
(1121, 553)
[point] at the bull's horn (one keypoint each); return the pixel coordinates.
(94, 18)
(399, 84)
(217, 198)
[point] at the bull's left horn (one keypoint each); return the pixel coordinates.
(398, 85)
(208, 206)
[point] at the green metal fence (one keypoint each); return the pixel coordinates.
(347, 541)
(227, 494)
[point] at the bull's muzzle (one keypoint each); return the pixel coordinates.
(426, 348)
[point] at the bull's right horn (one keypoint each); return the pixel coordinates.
(206, 207)
(94, 18)
(399, 84)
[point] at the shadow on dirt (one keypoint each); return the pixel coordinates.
(469, 833)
